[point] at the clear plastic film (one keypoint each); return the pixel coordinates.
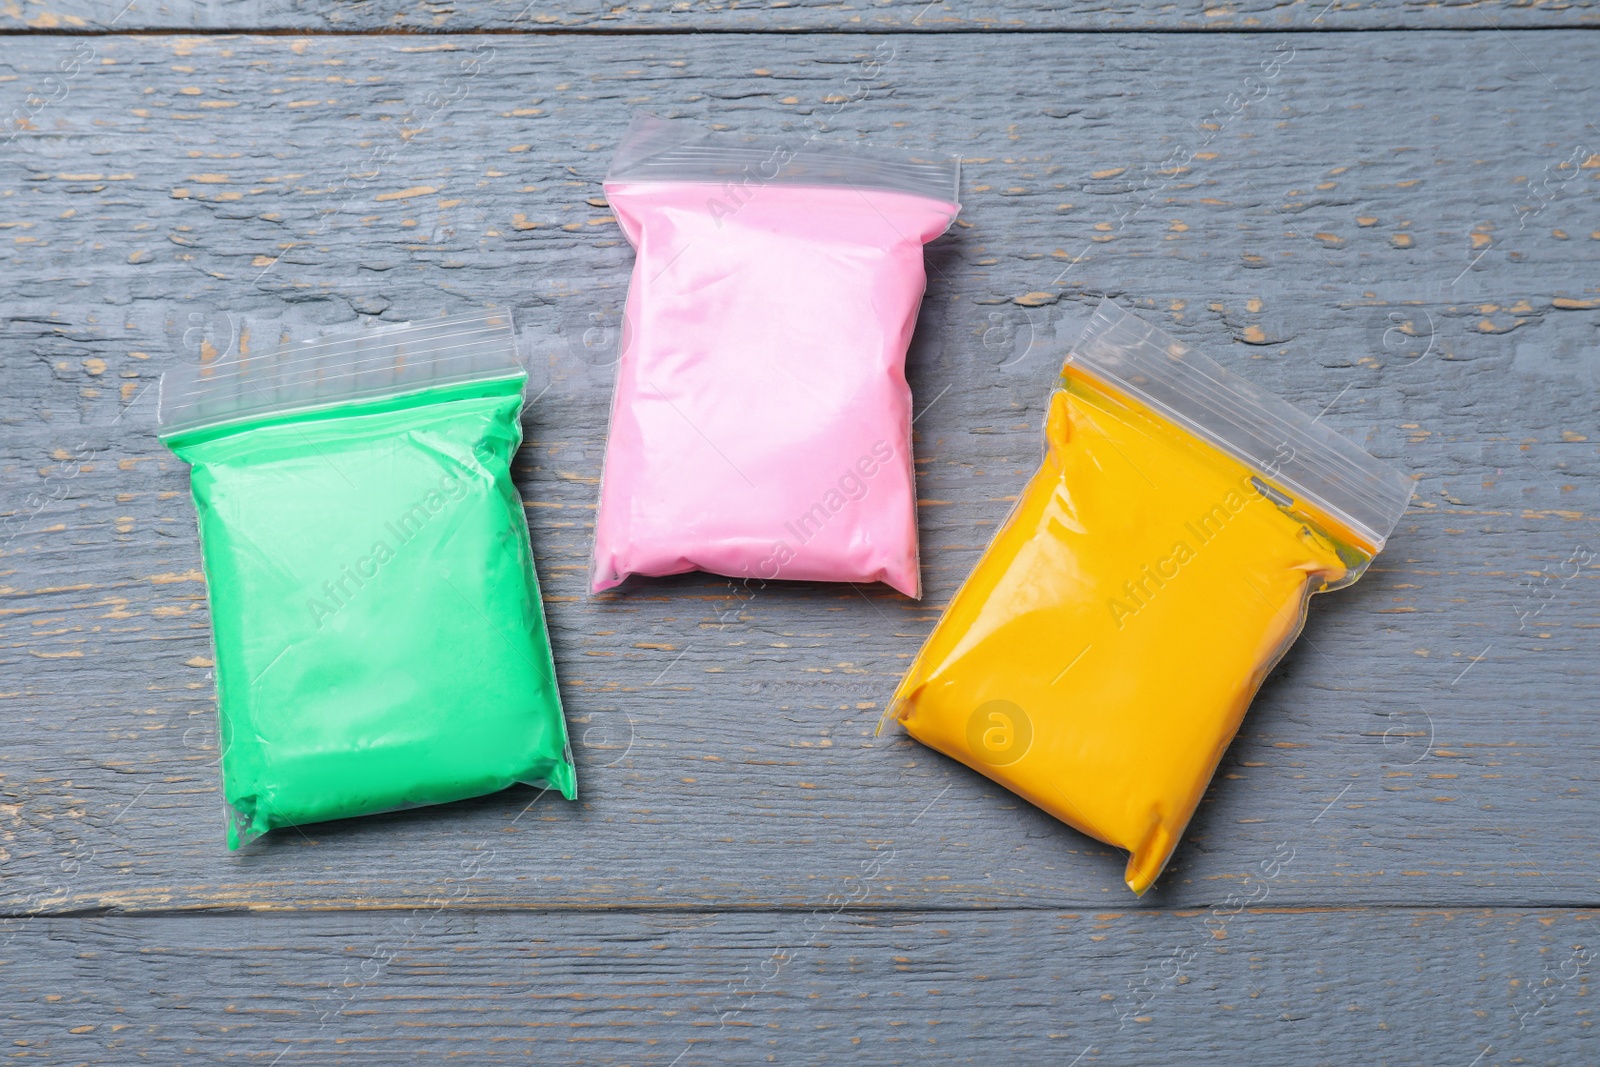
(380, 639)
(1102, 654)
(1305, 457)
(761, 426)
(383, 361)
(663, 150)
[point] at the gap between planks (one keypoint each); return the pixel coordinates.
(832, 31)
(860, 912)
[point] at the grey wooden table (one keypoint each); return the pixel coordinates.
(1388, 214)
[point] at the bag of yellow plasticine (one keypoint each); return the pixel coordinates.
(1100, 657)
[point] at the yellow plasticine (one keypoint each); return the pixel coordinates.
(1101, 656)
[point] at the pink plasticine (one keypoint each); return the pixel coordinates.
(761, 426)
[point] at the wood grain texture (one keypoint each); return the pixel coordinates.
(1399, 229)
(787, 16)
(1466, 989)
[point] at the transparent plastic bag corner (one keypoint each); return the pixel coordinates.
(1301, 456)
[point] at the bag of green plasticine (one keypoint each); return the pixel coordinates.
(380, 638)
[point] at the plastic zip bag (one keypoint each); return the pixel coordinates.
(761, 426)
(380, 639)
(1102, 654)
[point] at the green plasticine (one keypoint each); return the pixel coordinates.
(380, 639)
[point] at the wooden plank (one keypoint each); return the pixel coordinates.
(850, 16)
(1429, 742)
(1475, 988)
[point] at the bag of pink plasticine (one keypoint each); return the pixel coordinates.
(761, 426)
